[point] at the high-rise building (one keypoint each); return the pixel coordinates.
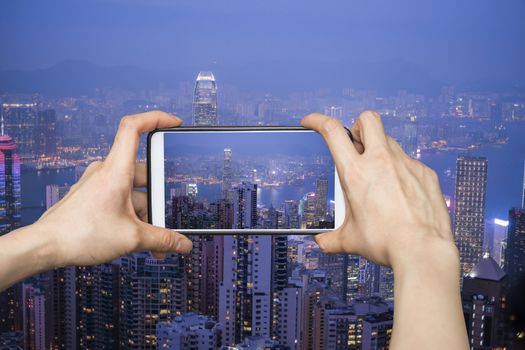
(21, 123)
(515, 252)
(254, 273)
(291, 214)
(10, 215)
(409, 139)
(97, 306)
(10, 200)
(335, 266)
(321, 199)
(308, 220)
(34, 319)
(205, 100)
(60, 293)
(227, 174)
(245, 206)
(484, 302)
(245, 290)
(45, 134)
(364, 323)
(352, 278)
(469, 211)
(287, 319)
(151, 291)
(190, 331)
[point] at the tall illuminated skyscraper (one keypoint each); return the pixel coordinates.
(469, 211)
(205, 100)
(227, 174)
(409, 140)
(321, 198)
(10, 202)
(10, 207)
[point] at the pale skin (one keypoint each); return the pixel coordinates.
(395, 216)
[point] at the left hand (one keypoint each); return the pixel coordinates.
(102, 217)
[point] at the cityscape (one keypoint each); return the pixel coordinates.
(223, 181)
(256, 291)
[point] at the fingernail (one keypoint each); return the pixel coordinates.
(173, 115)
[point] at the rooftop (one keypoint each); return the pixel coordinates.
(487, 269)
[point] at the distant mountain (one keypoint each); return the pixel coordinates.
(74, 77)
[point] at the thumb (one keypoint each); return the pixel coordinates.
(162, 240)
(330, 242)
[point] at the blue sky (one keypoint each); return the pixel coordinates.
(452, 40)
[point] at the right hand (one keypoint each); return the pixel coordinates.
(395, 210)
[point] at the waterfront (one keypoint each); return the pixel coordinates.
(505, 178)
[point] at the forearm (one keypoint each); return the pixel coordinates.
(23, 253)
(427, 304)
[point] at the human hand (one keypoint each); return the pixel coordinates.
(395, 211)
(102, 217)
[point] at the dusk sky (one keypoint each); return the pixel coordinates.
(450, 40)
(246, 144)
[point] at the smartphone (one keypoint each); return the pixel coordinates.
(242, 180)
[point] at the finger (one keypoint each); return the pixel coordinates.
(335, 136)
(139, 200)
(141, 175)
(369, 130)
(330, 242)
(356, 140)
(163, 240)
(124, 150)
(396, 148)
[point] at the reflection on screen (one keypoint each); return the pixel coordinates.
(248, 180)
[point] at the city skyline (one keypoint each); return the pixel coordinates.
(283, 287)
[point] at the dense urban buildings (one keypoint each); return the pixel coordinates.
(469, 209)
(244, 292)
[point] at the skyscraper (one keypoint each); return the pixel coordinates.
(151, 291)
(484, 304)
(21, 123)
(45, 134)
(205, 100)
(245, 206)
(10, 201)
(409, 140)
(60, 293)
(469, 212)
(227, 175)
(321, 199)
(10, 209)
(515, 252)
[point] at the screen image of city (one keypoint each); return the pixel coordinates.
(248, 180)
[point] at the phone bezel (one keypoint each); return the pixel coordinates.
(338, 194)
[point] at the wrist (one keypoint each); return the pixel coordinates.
(426, 255)
(43, 245)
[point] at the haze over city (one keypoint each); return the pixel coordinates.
(446, 76)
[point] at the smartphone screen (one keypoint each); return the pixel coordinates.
(256, 180)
